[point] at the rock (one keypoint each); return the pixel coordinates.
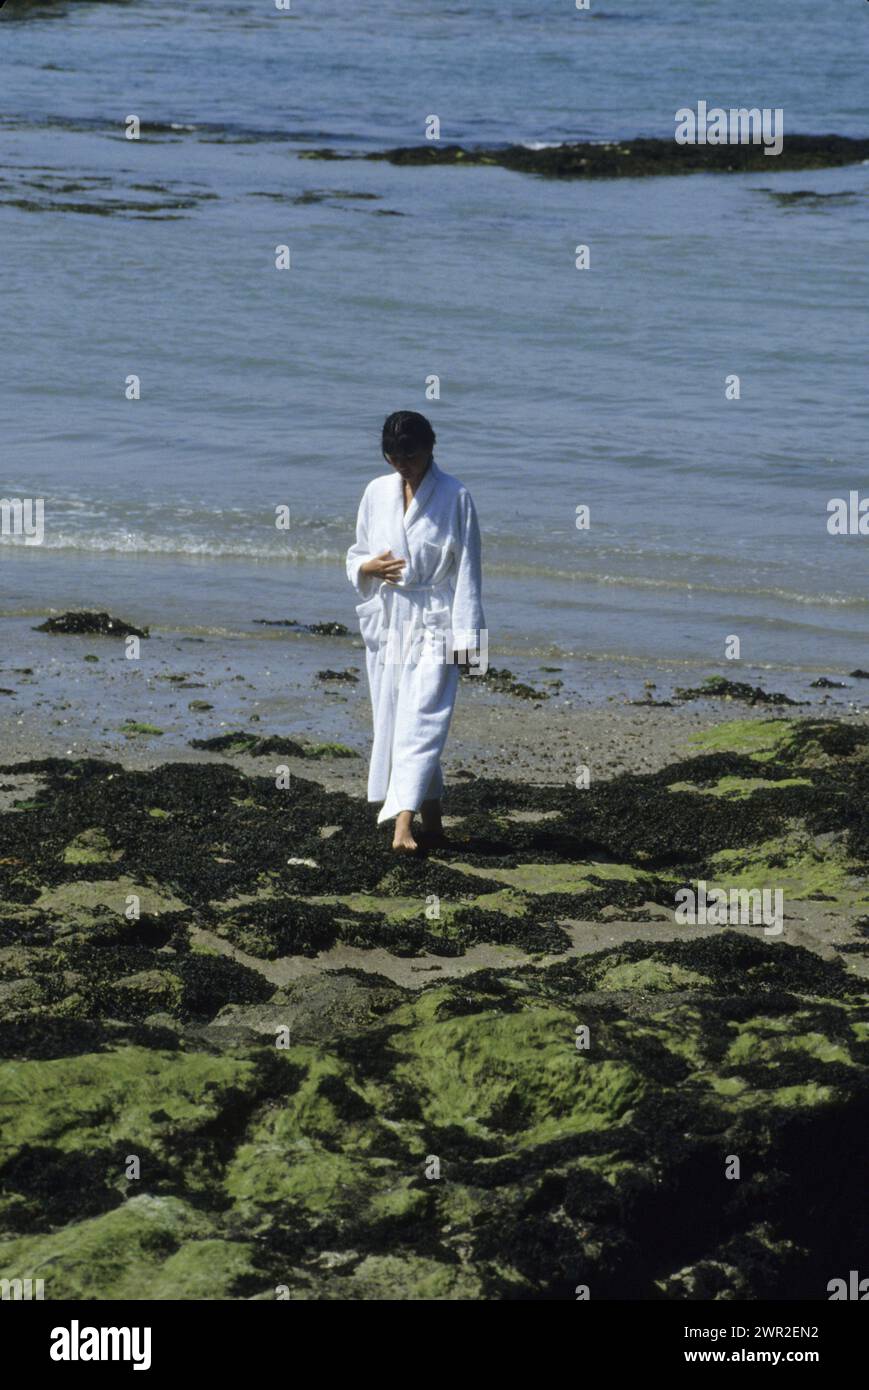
(456, 1144)
(91, 847)
(259, 1020)
(610, 913)
(329, 750)
(716, 687)
(252, 744)
(319, 1007)
(314, 629)
(93, 624)
(400, 1278)
(504, 682)
(627, 158)
(255, 746)
(152, 1247)
(449, 1141)
(18, 995)
(164, 1021)
(84, 900)
(149, 991)
(348, 675)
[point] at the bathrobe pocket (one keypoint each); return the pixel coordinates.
(437, 628)
(369, 614)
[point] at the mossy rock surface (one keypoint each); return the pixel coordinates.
(149, 1247)
(766, 802)
(91, 847)
(457, 1142)
(509, 1133)
(85, 898)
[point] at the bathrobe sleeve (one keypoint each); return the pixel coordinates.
(364, 584)
(467, 615)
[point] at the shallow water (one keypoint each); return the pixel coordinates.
(558, 387)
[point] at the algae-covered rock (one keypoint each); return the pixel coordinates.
(507, 1135)
(16, 996)
(182, 1117)
(396, 1278)
(253, 864)
(161, 1107)
(258, 746)
(717, 687)
(82, 899)
(149, 991)
(148, 1248)
(91, 847)
(514, 1075)
(649, 974)
(635, 158)
(323, 1008)
(319, 1162)
(92, 625)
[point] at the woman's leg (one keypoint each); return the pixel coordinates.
(403, 837)
(432, 823)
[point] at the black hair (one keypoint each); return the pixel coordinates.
(406, 432)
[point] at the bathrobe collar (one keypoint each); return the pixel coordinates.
(421, 496)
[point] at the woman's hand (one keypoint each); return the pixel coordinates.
(384, 566)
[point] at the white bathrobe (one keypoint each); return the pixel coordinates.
(409, 628)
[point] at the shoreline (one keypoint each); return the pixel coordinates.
(78, 696)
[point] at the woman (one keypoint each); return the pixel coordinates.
(416, 568)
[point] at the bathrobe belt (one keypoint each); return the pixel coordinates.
(388, 615)
(386, 588)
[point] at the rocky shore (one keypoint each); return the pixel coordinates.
(250, 1055)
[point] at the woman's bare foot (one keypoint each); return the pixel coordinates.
(403, 840)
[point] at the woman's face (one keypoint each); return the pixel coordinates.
(412, 466)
